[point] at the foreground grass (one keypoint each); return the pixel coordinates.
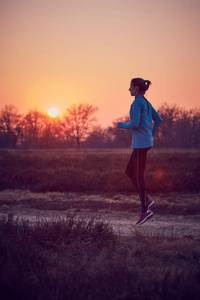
(96, 171)
(78, 259)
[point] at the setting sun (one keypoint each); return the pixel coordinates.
(53, 112)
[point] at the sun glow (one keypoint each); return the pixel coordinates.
(53, 112)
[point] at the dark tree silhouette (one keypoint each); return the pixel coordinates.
(97, 138)
(180, 128)
(32, 127)
(79, 120)
(119, 137)
(10, 126)
(40, 130)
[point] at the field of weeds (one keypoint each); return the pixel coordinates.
(166, 204)
(83, 259)
(97, 170)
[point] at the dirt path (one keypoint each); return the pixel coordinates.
(19, 204)
(124, 223)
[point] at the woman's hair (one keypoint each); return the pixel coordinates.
(141, 83)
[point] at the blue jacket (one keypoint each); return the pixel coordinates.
(141, 114)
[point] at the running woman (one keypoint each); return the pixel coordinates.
(142, 115)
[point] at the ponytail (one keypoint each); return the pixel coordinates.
(147, 83)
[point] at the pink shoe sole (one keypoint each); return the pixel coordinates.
(144, 217)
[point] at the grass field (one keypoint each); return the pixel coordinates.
(83, 259)
(79, 259)
(97, 170)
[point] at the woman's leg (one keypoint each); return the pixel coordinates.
(135, 171)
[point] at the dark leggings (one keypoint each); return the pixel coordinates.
(135, 171)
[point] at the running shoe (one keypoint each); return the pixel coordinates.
(149, 203)
(144, 216)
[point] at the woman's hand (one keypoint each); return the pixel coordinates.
(120, 125)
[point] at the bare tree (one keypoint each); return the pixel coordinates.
(79, 120)
(32, 127)
(195, 127)
(39, 130)
(167, 134)
(96, 138)
(10, 126)
(118, 136)
(180, 128)
(51, 133)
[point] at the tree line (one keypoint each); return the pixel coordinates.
(180, 128)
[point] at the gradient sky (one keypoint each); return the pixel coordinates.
(61, 52)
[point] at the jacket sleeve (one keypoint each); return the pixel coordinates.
(135, 115)
(157, 120)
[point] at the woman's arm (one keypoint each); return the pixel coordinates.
(157, 120)
(135, 117)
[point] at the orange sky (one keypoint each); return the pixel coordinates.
(57, 53)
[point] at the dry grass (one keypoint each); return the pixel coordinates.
(75, 258)
(78, 259)
(96, 171)
(167, 203)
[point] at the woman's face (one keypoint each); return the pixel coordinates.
(134, 90)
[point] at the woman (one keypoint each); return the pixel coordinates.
(141, 114)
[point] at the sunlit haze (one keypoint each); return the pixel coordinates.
(53, 112)
(70, 52)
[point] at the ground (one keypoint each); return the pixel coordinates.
(174, 214)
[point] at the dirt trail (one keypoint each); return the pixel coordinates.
(23, 204)
(124, 223)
